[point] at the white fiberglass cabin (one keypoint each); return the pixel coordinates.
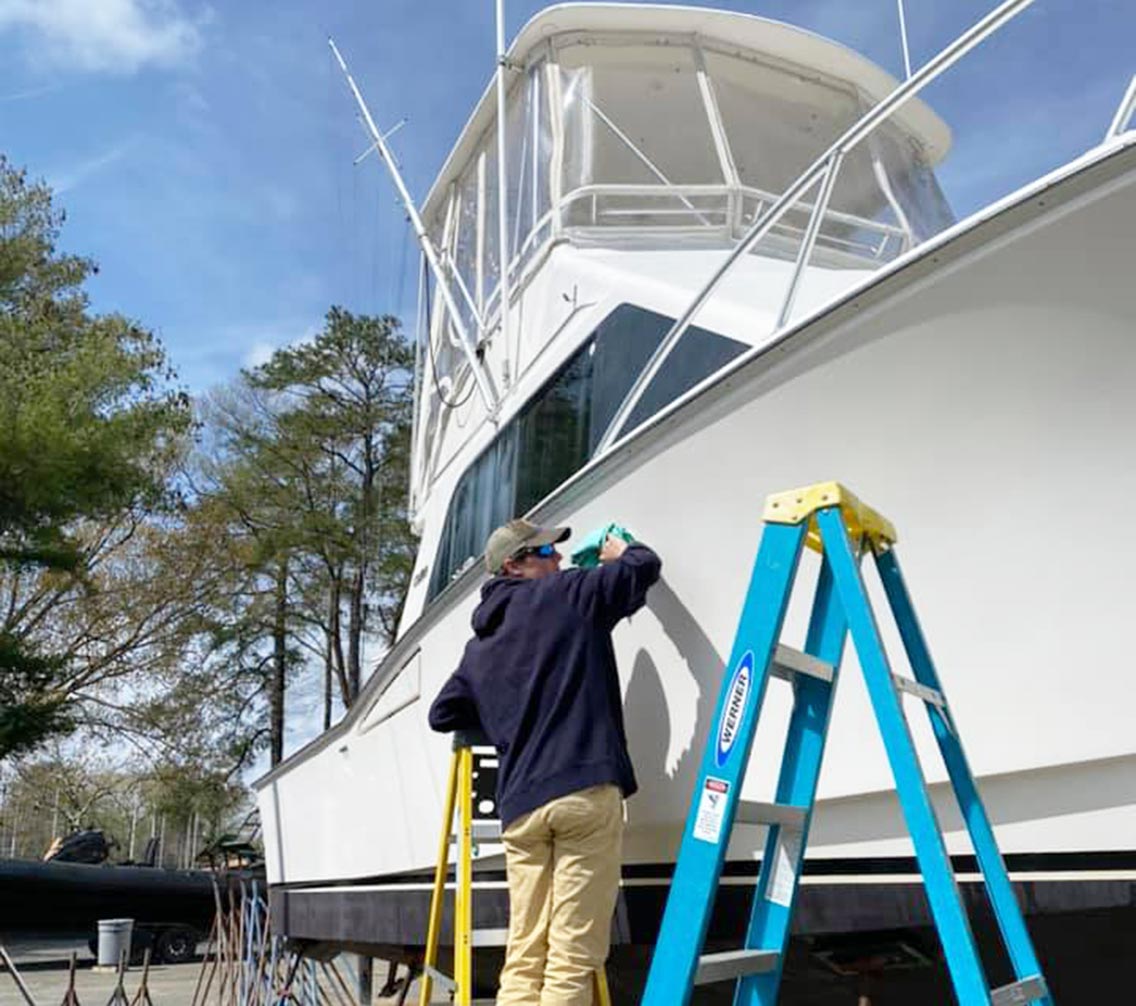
(972, 380)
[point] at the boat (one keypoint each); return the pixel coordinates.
(172, 909)
(732, 271)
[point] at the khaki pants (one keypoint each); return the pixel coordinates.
(563, 864)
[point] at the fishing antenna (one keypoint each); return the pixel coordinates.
(380, 145)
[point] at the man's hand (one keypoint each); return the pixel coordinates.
(612, 549)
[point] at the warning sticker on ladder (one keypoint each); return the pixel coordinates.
(711, 810)
(784, 875)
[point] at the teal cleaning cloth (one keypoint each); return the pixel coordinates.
(587, 553)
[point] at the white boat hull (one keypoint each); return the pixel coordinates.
(982, 397)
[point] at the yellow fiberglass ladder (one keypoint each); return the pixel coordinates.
(473, 757)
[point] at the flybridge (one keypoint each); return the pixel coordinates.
(627, 135)
(650, 129)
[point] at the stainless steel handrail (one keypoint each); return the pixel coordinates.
(1122, 121)
(719, 189)
(880, 112)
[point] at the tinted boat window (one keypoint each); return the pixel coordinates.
(698, 354)
(483, 494)
(554, 430)
(557, 430)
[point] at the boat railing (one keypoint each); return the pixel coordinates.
(1122, 121)
(718, 211)
(822, 175)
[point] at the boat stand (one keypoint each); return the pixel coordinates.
(16, 976)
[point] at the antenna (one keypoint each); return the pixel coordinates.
(380, 145)
(903, 39)
(502, 185)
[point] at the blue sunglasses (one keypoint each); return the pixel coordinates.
(540, 551)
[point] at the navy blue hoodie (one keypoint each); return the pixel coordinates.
(539, 679)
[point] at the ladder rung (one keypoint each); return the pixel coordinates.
(787, 662)
(732, 964)
(932, 695)
(483, 831)
(488, 937)
(785, 814)
(442, 979)
(1025, 991)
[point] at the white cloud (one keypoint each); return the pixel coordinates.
(258, 353)
(69, 178)
(34, 92)
(262, 339)
(115, 36)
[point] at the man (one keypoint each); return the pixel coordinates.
(539, 679)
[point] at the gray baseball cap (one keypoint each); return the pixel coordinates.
(514, 535)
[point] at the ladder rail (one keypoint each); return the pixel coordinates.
(699, 865)
(943, 894)
(782, 860)
(434, 928)
(463, 897)
(999, 890)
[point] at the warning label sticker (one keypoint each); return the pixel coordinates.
(783, 879)
(711, 810)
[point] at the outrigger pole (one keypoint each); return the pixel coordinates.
(468, 347)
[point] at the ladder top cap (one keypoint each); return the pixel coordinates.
(793, 506)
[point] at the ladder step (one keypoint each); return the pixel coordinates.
(1025, 991)
(784, 814)
(483, 831)
(932, 695)
(731, 964)
(488, 937)
(788, 662)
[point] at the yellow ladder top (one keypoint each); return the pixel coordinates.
(796, 505)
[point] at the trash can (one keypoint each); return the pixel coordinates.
(114, 938)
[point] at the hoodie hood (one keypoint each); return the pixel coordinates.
(495, 598)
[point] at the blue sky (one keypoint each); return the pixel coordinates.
(203, 152)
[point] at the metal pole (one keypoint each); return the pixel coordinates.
(502, 187)
(424, 241)
(1124, 111)
(16, 977)
(133, 828)
(810, 236)
(903, 39)
(853, 135)
(364, 981)
(416, 424)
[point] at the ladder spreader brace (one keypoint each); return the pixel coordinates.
(831, 520)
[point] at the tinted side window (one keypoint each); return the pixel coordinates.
(699, 354)
(556, 432)
(625, 341)
(554, 429)
(482, 500)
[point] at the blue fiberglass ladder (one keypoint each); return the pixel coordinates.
(831, 520)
